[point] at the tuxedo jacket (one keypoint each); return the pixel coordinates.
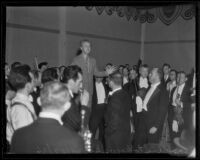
(185, 98)
(132, 87)
(46, 135)
(117, 120)
(72, 117)
(157, 107)
(165, 82)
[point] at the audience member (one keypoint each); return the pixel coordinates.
(166, 70)
(50, 74)
(42, 66)
(117, 117)
(73, 79)
(47, 135)
(98, 108)
(21, 111)
(154, 111)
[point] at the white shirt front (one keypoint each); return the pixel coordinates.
(149, 94)
(19, 116)
(125, 80)
(139, 104)
(45, 114)
(166, 77)
(101, 95)
(143, 82)
(179, 90)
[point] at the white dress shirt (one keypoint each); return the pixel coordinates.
(101, 95)
(166, 77)
(19, 116)
(149, 94)
(125, 80)
(45, 114)
(143, 82)
(179, 90)
(139, 104)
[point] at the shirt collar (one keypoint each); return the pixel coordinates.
(22, 96)
(182, 85)
(71, 93)
(112, 92)
(155, 84)
(45, 114)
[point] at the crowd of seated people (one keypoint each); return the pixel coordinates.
(132, 107)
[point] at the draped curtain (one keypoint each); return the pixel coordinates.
(167, 14)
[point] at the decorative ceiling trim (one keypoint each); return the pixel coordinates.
(167, 14)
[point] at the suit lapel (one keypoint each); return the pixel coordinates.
(154, 94)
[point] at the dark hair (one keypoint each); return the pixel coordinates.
(60, 67)
(109, 64)
(182, 72)
(15, 64)
(54, 95)
(42, 64)
(19, 77)
(144, 66)
(71, 72)
(166, 64)
(116, 78)
(173, 70)
(49, 74)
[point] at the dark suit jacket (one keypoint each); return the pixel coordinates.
(117, 121)
(132, 87)
(165, 82)
(72, 117)
(46, 135)
(157, 107)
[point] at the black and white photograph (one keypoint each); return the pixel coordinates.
(100, 79)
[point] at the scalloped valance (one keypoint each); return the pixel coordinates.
(167, 14)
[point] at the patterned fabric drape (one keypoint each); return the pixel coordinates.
(167, 14)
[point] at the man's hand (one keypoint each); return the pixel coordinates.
(110, 70)
(152, 130)
(84, 98)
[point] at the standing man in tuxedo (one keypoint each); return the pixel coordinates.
(73, 79)
(46, 134)
(143, 81)
(154, 111)
(117, 117)
(180, 97)
(98, 108)
(166, 70)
